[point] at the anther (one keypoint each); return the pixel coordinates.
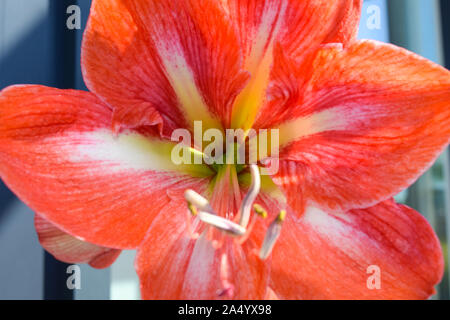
(250, 196)
(282, 216)
(260, 211)
(192, 209)
(273, 232)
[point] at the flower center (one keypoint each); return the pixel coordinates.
(201, 208)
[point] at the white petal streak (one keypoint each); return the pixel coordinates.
(337, 229)
(182, 80)
(127, 151)
(327, 120)
(201, 268)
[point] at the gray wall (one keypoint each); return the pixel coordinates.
(26, 49)
(36, 48)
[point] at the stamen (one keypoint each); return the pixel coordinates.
(273, 232)
(250, 196)
(221, 223)
(200, 207)
(193, 198)
(207, 214)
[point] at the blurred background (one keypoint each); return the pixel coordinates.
(37, 47)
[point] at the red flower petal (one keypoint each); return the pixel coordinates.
(348, 23)
(180, 57)
(329, 256)
(69, 249)
(369, 120)
(292, 24)
(172, 265)
(59, 155)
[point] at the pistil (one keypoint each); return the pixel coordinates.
(250, 197)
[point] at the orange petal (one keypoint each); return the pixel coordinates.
(340, 256)
(293, 24)
(70, 249)
(182, 58)
(348, 23)
(59, 154)
(172, 265)
(367, 122)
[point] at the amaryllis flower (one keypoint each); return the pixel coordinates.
(358, 122)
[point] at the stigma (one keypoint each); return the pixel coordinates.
(201, 209)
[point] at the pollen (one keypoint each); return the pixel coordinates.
(192, 209)
(260, 211)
